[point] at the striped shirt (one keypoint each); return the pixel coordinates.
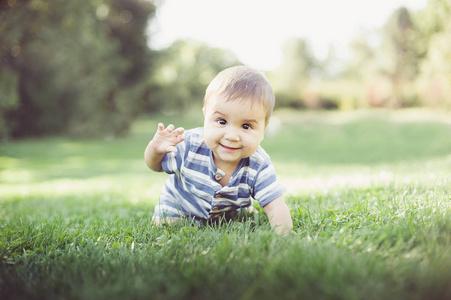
(193, 190)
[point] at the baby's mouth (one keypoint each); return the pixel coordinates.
(229, 148)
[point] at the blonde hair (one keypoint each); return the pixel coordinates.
(243, 84)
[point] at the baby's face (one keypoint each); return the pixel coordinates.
(233, 130)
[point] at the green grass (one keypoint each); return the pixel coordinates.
(369, 193)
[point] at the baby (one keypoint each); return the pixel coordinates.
(216, 170)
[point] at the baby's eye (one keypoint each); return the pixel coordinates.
(222, 122)
(246, 126)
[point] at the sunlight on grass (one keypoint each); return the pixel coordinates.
(421, 115)
(299, 178)
(14, 176)
(132, 188)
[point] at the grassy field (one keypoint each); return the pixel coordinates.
(369, 193)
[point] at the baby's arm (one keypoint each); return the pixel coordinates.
(163, 142)
(279, 215)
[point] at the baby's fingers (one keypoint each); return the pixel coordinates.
(179, 131)
(170, 128)
(171, 149)
(170, 134)
(160, 126)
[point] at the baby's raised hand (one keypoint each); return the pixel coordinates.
(165, 140)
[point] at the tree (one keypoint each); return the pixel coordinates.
(183, 72)
(291, 80)
(434, 80)
(75, 67)
(358, 85)
(399, 56)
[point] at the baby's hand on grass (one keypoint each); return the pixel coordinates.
(165, 140)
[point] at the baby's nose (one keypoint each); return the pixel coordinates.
(232, 134)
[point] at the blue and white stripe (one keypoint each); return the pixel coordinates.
(192, 190)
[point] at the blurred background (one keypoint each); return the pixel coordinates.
(90, 68)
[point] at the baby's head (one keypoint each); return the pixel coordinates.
(241, 84)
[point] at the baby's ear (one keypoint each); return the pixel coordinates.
(203, 110)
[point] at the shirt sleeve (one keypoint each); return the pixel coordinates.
(266, 187)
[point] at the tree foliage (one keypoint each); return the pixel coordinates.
(84, 68)
(291, 80)
(72, 67)
(434, 79)
(405, 63)
(182, 72)
(399, 58)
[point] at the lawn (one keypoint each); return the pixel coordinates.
(369, 194)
